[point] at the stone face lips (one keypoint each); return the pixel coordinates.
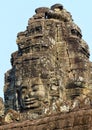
(51, 70)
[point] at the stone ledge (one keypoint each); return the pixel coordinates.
(76, 120)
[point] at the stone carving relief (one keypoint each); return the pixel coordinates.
(32, 93)
(51, 70)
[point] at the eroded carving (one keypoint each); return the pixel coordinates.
(51, 71)
(32, 92)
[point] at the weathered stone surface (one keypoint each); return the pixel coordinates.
(1, 107)
(51, 71)
(76, 120)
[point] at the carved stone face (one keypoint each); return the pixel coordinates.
(32, 93)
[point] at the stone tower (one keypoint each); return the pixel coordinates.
(51, 67)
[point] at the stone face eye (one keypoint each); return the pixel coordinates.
(35, 87)
(23, 90)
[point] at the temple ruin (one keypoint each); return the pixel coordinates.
(51, 71)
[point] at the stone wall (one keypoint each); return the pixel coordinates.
(51, 67)
(51, 76)
(76, 120)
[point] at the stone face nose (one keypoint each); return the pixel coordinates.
(26, 96)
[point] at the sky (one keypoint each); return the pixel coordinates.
(14, 17)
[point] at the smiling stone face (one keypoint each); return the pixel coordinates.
(32, 93)
(51, 67)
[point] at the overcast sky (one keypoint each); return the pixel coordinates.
(14, 17)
